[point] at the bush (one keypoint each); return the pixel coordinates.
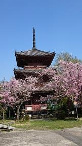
(61, 115)
(26, 117)
(63, 107)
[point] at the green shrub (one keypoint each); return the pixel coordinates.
(26, 117)
(61, 115)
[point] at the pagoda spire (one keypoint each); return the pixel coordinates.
(34, 44)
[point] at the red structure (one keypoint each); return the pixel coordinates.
(30, 63)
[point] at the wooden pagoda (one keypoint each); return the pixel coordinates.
(32, 61)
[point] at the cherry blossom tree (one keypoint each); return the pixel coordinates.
(64, 81)
(15, 92)
(71, 79)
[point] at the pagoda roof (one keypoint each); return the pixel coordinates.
(34, 52)
(26, 71)
(34, 56)
(22, 74)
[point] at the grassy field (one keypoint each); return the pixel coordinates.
(45, 124)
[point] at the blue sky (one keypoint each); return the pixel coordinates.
(58, 25)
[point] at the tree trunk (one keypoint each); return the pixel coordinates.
(9, 113)
(77, 113)
(18, 107)
(3, 114)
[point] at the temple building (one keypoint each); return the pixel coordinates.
(29, 64)
(32, 61)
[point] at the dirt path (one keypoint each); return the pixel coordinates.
(42, 138)
(72, 134)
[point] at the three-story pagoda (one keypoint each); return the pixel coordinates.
(30, 63)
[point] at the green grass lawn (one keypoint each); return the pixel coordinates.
(45, 124)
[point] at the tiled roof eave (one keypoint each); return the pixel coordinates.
(35, 53)
(22, 70)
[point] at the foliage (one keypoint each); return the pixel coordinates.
(67, 57)
(64, 107)
(61, 107)
(71, 80)
(66, 81)
(26, 117)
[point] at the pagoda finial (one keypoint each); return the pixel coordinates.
(34, 46)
